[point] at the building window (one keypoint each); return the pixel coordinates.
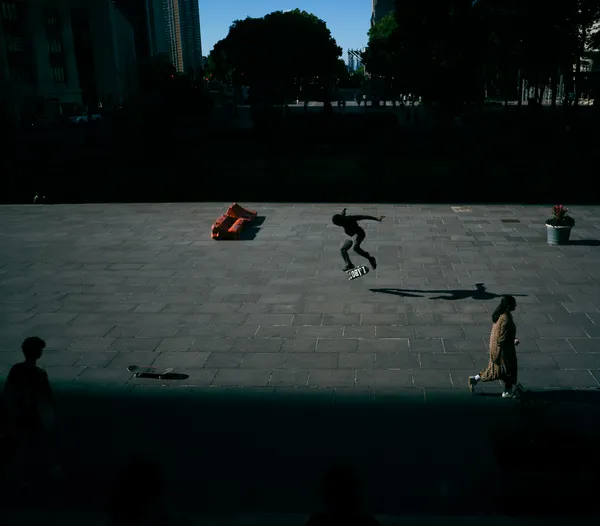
(58, 74)
(18, 52)
(52, 15)
(14, 44)
(10, 11)
(55, 46)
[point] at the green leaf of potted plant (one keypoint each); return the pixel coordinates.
(559, 225)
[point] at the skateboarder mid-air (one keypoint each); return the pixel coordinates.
(352, 228)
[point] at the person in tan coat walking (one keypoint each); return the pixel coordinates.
(503, 356)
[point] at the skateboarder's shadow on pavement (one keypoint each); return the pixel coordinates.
(398, 292)
(480, 293)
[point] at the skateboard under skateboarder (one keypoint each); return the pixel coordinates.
(352, 229)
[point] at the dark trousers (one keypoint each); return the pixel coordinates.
(347, 245)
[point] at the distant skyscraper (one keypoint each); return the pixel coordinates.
(350, 61)
(382, 8)
(354, 59)
(175, 30)
(190, 35)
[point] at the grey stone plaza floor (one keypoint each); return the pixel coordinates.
(291, 366)
(112, 285)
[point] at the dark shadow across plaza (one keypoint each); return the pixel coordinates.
(480, 293)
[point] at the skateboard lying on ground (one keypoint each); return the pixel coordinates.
(357, 272)
(150, 372)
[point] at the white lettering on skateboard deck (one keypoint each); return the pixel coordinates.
(357, 272)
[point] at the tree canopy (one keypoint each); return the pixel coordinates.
(279, 50)
(456, 50)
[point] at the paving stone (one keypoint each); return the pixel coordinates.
(438, 307)
(555, 345)
(454, 319)
(426, 345)
(560, 331)
(61, 358)
(397, 360)
(308, 320)
(360, 308)
(100, 330)
(133, 344)
(196, 378)
(218, 331)
(585, 345)
(337, 345)
(126, 358)
(249, 345)
(270, 319)
(593, 331)
(307, 361)
(62, 374)
(572, 361)
(124, 331)
(383, 319)
(300, 345)
(445, 332)
(104, 375)
(242, 378)
(317, 331)
(421, 319)
(342, 319)
(331, 378)
(95, 358)
(384, 378)
(382, 331)
(380, 345)
(230, 360)
(446, 361)
(563, 379)
(464, 345)
(432, 378)
(289, 378)
(263, 360)
(357, 360)
(175, 344)
(475, 332)
(180, 360)
(359, 331)
(276, 331)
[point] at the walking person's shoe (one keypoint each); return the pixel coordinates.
(348, 267)
(472, 383)
(373, 262)
(507, 394)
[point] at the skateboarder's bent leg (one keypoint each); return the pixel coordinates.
(344, 248)
(360, 237)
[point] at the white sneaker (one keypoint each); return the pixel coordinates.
(507, 395)
(472, 383)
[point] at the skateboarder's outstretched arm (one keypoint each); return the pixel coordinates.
(361, 218)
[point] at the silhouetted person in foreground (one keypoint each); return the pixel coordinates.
(352, 228)
(503, 354)
(29, 408)
(341, 496)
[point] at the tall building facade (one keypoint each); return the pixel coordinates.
(63, 53)
(382, 8)
(175, 30)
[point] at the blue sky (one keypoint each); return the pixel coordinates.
(348, 20)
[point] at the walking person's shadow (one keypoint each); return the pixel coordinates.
(480, 293)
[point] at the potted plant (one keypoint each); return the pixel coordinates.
(559, 226)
